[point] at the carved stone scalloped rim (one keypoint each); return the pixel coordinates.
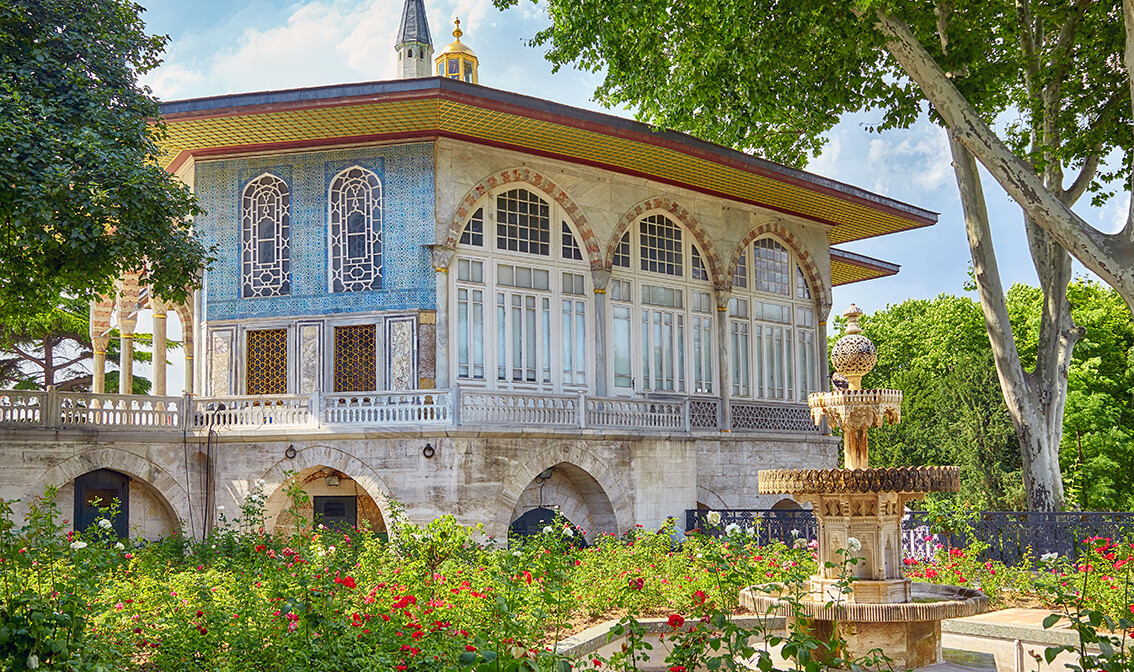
(856, 409)
(951, 602)
(834, 481)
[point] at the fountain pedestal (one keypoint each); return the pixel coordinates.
(860, 509)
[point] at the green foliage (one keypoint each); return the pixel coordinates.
(82, 197)
(937, 352)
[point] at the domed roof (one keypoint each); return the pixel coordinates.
(456, 46)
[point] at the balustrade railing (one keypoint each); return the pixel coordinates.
(417, 407)
(20, 408)
(85, 409)
(456, 406)
(519, 408)
(252, 412)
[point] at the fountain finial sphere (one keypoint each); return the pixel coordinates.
(854, 355)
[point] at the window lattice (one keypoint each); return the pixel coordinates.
(267, 361)
(523, 223)
(474, 230)
(355, 358)
(697, 266)
(356, 231)
(265, 236)
(771, 261)
(570, 247)
(660, 241)
(622, 252)
(741, 279)
(802, 289)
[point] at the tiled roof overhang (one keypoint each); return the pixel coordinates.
(427, 109)
(848, 267)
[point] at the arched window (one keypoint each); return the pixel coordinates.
(771, 321)
(661, 312)
(520, 296)
(265, 238)
(355, 231)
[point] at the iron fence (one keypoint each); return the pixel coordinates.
(1012, 536)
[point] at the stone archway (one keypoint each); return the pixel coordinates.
(681, 214)
(311, 460)
(162, 504)
(573, 494)
(542, 183)
(598, 490)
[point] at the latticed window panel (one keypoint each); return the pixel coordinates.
(474, 230)
(355, 363)
(622, 252)
(697, 266)
(741, 278)
(265, 238)
(570, 247)
(781, 418)
(523, 223)
(267, 361)
(355, 201)
(771, 262)
(660, 243)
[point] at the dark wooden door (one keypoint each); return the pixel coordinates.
(336, 512)
(100, 488)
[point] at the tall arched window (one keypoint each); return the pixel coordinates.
(661, 306)
(355, 231)
(520, 299)
(265, 238)
(771, 321)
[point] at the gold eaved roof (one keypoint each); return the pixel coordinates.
(848, 267)
(436, 107)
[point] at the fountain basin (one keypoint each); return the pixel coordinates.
(908, 633)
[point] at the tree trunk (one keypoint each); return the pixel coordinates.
(1035, 401)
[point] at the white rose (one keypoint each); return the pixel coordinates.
(853, 544)
(119, 546)
(713, 518)
(220, 509)
(1048, 558)
(732, 528)
(568, 531)
(330, 549)
(33, 662)
(105, 524)
(795, 533)
(517, 554)
(547, 530)
(260, 483)
(78, 545)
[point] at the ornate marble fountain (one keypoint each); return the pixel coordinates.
(883, 609)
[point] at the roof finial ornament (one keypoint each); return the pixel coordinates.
(457, 32)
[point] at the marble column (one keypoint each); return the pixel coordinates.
(722, 297)
(601, 279)
(98, 373)
(441, 257)
(128, 304)
(160, 345)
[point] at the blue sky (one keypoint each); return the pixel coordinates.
(223, 46)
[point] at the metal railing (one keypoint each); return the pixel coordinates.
(1011, 536)
(456, 406)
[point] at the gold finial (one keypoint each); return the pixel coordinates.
(457, 32)
(852, 314)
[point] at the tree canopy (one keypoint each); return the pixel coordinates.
(82, 198)
(936, 351)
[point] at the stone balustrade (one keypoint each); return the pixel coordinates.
(454, 407)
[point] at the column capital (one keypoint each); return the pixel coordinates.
(441, 256)
(601, 279)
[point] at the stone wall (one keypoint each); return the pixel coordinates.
(612, 482)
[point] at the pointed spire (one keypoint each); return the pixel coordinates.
(415, 26)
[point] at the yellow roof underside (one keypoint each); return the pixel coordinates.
(844, 273)
(855, 220)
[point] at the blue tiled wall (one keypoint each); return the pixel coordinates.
(406, 172)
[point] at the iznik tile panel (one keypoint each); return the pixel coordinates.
(407, 176)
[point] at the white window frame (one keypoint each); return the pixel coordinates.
(250, 263)
(552, 357)
(689, 315)
(796, 333)
(372, 234)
